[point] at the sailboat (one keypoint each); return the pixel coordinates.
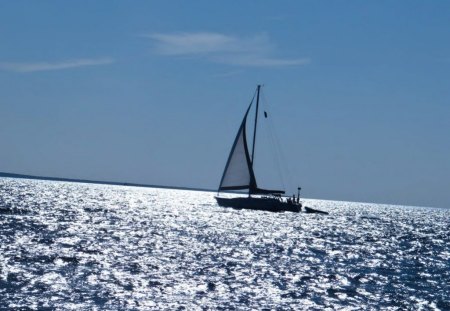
(239, 175)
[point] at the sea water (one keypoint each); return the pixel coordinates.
(75, 246)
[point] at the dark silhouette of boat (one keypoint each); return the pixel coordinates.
(267, 203)
(239, 175)
(315, 211)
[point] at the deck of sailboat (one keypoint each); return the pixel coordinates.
(270, 204)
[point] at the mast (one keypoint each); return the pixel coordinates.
(256, 122)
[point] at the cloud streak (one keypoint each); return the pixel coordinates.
(254, 51)
(51, 66)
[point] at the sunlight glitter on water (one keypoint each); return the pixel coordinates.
(83, 246)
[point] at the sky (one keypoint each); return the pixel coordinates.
(358, 93)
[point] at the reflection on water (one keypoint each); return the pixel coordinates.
(86, 247)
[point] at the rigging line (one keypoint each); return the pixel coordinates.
(274, 147)
(267, 131)
(279, 149)
(276, 156)
(283, 159)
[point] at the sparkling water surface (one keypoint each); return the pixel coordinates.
(81, 246)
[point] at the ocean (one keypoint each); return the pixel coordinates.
(79, 246)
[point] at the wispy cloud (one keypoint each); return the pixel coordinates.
(202, 43)
(227, 74)
(48, 66)
(261, 61)
(220, 48)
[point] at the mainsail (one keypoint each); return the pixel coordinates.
(238, 173)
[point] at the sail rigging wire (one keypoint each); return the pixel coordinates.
(279, 154)
(275, 154)
(268, 132)
(273, 146)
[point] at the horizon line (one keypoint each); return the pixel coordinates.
(117, 183)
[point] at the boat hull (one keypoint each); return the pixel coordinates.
(261, 204)
(315, 211)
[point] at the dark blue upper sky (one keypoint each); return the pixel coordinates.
(154, 92)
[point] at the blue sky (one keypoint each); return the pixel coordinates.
(154, 91)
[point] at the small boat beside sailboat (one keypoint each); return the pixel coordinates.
(239, 175)
(314, 211)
